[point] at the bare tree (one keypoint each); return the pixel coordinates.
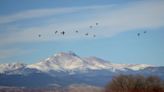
(135, 83)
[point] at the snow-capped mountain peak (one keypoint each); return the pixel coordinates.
(11, 67)
(60, 62)
(70, 62)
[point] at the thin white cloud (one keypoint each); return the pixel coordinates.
(37, 13)
(138, 15)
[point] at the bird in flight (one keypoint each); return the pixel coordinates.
(39, 35)
(62, 32)
(86, 34)
(56, 32)
(90, 26)
(145, 32)
(138, 34)
(97, 24)
(76, 31)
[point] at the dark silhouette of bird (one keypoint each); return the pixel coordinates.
(86, 34)
(76, 31)
(138, 34)
(90, 26)
(97, 24)
(39, 35)
(56, 32)
(62, 32)
(145, 32)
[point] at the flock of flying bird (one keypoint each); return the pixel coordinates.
(63, 32)
(86, 34)
(138, 34)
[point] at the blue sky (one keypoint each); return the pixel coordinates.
(116, 34)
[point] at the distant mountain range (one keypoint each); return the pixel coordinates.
(63, 69)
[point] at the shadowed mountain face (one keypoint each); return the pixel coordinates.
(64, 69)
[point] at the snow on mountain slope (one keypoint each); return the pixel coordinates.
(11, 67)
(137, 67)
(134, 67)
(60, 62)
(71, 62)
(97, 63)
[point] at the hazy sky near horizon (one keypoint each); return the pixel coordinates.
(119, 22)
